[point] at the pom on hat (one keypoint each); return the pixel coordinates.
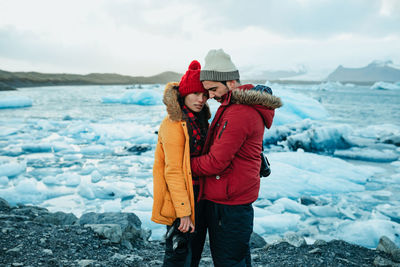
(190, 82)
(195, 65)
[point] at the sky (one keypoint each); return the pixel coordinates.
(147, 37)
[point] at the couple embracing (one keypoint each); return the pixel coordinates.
(207, 177)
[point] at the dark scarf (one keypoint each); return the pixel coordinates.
(197, 131)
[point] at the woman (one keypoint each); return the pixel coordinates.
(181, 135)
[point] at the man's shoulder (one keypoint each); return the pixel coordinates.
(240, 107)
(240, 111)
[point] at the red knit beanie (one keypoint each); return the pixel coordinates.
(190, 82)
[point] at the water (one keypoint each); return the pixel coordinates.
(73, 148)
(77, 102)
(359, 105)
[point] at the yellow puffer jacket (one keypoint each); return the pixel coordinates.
(172, 179)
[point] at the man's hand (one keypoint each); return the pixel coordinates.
(185, 224)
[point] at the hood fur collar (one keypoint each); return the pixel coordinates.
(170, 99)
(253, 97)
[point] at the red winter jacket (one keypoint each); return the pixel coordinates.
(230, 165)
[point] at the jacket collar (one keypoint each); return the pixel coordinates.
(244, 95)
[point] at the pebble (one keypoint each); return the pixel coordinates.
(315, 250)
(48, 252)
(74, 245)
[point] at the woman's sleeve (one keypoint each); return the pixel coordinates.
(173, 141)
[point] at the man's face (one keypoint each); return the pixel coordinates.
(215, 89)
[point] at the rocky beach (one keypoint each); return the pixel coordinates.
(33, 236)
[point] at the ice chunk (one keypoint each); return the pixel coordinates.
(86, 191)
(277, 223)
(385, 86)
(4, 131)
(137, 97)
(15, 102)
(295, 174)
(68, 179)
(95, 149)
(26, 191)
(327, 86)
(291, 206)
(367, 154)
(3, 180)
(69, 203)
(325, 211)
(96, 176)
(72, 180)
(12, 169)
(390, 211)
(37, 148)
(112, 205)
(297, 107)
(367, 233)
(326, 138)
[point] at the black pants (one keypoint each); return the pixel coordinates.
(229, 229)
(190, 257)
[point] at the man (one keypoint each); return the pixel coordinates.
(230, 161)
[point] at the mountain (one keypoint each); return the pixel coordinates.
(12, 80)
(376, 71)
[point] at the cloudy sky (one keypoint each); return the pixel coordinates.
(146, 37)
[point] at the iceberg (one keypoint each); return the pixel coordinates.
(367, 233)
(327, 86)
(385, 86)
(301, 173)
(3, 180)
(136, 97)
(15, 102)
(367, 154)
(277, 223)
(325, 138)
(297, 107)
(12, 169)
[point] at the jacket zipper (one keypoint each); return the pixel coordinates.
(223, 128)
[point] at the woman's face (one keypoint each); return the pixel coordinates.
(195, 101)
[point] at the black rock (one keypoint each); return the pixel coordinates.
(139, 149)
(307, 200)
(58, 218)
(256, 241)
(4, 206)
(25, 242)
(130, 224)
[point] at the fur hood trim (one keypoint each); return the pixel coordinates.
(170, 99)
(252, 97)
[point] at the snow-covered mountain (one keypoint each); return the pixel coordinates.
(375, 71)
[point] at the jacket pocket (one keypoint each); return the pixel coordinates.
(217, 187)
(167, 209)
(223, 129)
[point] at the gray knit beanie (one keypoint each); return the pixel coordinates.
(218, 67)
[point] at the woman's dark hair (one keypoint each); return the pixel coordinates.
(181, 100)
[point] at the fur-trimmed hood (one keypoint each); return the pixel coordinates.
(247, 96)
(170, 99)
(260, 98)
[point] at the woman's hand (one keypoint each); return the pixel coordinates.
(186, 224)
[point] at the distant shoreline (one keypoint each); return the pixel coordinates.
(14, 80)
(10, 81)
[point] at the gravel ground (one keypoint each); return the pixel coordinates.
(27, 241)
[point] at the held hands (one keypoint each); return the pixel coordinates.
(186, 224)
